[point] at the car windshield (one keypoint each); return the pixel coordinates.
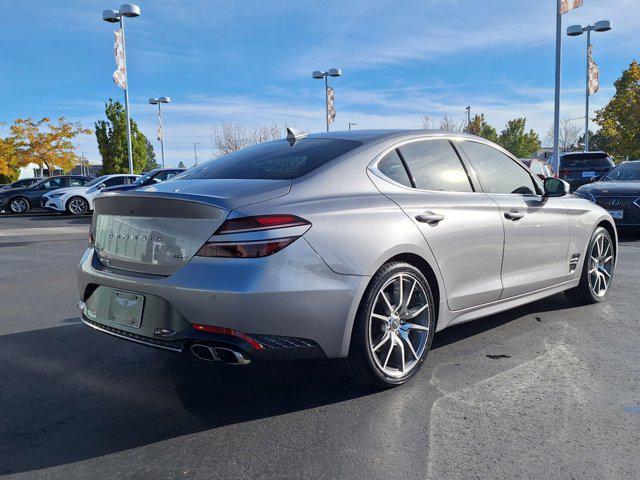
(625, 172)
(96, 181)
(144, 178)
(276, 160)
(585, 160)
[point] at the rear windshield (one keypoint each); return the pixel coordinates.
(586, 160)
(273, 160)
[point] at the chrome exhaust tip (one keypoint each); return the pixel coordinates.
(204, 352)
(225, 355)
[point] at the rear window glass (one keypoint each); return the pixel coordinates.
(276, 160)
(586, 160)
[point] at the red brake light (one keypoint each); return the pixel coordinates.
(228, 331)
(225, 247)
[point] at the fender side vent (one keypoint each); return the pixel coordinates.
(573, 262)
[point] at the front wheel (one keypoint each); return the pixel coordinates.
(77, 206)
(19, 205)
(597, 270)
(394, 327)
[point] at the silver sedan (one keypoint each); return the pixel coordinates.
(350, 245)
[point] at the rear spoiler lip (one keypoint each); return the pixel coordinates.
(210, 200)
(156, 204)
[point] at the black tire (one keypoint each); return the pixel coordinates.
(360, 364)
(79, 207)
(584, 293)
(14, 203)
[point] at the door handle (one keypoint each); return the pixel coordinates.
(430, 218)
(514, 215)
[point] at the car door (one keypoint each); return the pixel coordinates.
(462, 227)
(536, 228)
(53, 183)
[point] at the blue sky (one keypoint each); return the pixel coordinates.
(250, 62)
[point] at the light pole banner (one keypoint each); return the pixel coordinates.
(594, 75)
(331, 111)
(569, 5)
(120, 75)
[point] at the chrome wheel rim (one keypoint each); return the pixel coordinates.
(399, 325)
(18, 205)
(77, 206)
(600, 265)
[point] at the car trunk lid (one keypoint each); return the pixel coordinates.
(158, 230)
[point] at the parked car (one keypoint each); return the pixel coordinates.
(79, 200)
(541, 168)
(579, 168)
(356, 245)
(23, 182)
(150, 178)
(21, 200)
(618, 192)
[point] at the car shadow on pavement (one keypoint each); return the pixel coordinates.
(71, 394)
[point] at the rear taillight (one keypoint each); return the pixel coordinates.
(229, 331)
(223, 244)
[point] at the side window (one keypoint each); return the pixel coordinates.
(434, 165)
(131, 179)
(497, 172)
(392, 167)
(76, 182)
(112, 182)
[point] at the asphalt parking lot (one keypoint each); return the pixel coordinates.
(544, 391)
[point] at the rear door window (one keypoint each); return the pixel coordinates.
(434, 165)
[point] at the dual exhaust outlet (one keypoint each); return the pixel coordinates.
(210, 353)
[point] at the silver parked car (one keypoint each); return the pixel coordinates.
(351, 245)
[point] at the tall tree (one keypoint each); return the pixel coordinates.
(519, 142)
(112, 141)
(8, 169)
(619, 120)
(45, 143)
(151, 158)
(480, 127)
(570, 135)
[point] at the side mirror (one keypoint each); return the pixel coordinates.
(101, 186)
(555, 187)
(595, 179)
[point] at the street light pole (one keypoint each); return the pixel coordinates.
(468, 109)
(577, 30)
(556, 105)
(159, 101)
(195, 151)
(113, 16)
(318, 74)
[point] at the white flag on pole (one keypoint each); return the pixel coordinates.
(120, 75)
(594, 75)
(331, 111)
(567, 5)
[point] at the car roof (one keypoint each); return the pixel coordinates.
(374, 136)
(594, 152)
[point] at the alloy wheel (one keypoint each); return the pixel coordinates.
(600, 265)
(18, 205)
(78, 206)
(399, 325)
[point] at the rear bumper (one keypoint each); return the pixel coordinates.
(290, 302)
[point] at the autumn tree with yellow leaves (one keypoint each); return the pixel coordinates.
(46, 143)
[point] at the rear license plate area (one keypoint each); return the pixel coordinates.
(589, 174)
(616, 214)
(126, 308)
